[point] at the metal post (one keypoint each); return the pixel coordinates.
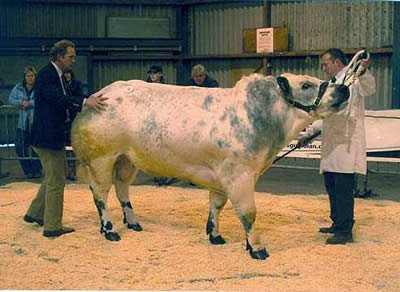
(396, 57)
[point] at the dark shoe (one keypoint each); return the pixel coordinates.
(71, 177)
(342, 238)
(171, 181)
(30, 219)
(330, 229)
(162, 181)
(4, 175)
(59, 232)
(29, 175)
(37, 175)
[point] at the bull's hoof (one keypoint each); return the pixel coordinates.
(217, 240)
(112, 236)
(257, 255)
(135, 227)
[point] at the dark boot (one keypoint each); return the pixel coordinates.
(340, 238)
(330, 229)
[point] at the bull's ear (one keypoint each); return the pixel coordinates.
(284, 85)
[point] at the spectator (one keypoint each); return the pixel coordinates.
(48, 136)
(23, 96)
(201, 78)
(155, 75)
(74, 88)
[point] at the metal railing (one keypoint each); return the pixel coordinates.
(8, 136)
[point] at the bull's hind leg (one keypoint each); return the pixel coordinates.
(101, 180)
(124, 175)
(217, 203)
(241, 194)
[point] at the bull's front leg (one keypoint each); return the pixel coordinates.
(217, 203)
(241, 194)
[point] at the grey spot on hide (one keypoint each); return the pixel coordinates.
(119, 99)
(223, 143)
(268, 127)
(223, 117)
(240, 129)
(111, 112)
(150, 124)
(213, 132)
(207, 102)
(201, 123)
(246, 224)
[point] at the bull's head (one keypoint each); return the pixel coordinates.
(312, 94)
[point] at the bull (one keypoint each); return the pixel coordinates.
(219, 138)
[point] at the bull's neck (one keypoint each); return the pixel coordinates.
(297, 120)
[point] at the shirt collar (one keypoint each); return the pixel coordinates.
(341, 74)
(59, 72)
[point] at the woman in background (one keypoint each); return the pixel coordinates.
(23, 96)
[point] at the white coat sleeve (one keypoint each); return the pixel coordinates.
(367, 84)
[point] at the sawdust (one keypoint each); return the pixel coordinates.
(173, 251)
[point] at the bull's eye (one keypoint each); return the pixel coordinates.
(306, 86)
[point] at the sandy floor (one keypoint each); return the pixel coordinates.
(173, 252)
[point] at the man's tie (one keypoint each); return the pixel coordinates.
(66, 86)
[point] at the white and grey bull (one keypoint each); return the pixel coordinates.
(219, 138)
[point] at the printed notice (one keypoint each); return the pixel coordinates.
(265, 40)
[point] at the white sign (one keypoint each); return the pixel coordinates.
(265, 40)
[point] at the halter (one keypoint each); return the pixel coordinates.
(355, 69)
(316, 103)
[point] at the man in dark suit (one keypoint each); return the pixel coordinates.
(52, 106)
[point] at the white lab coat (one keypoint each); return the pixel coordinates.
(343, 133)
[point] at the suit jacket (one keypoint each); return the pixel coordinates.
(48, 128)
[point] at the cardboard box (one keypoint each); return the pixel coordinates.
(249, 40)
(265, 40)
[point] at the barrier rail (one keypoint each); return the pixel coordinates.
(8, 134)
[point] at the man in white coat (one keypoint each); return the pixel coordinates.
(343, 146)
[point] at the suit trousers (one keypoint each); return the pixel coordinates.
(49, 200)
(341, 199)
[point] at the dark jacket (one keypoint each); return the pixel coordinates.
(48, 129)
(75, 88)
(208, 82)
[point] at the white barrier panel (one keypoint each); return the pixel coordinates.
(382, 128)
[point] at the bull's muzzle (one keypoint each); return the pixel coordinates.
(344, 91)
(341, 94)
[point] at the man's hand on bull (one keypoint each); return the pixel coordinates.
(96, 102)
